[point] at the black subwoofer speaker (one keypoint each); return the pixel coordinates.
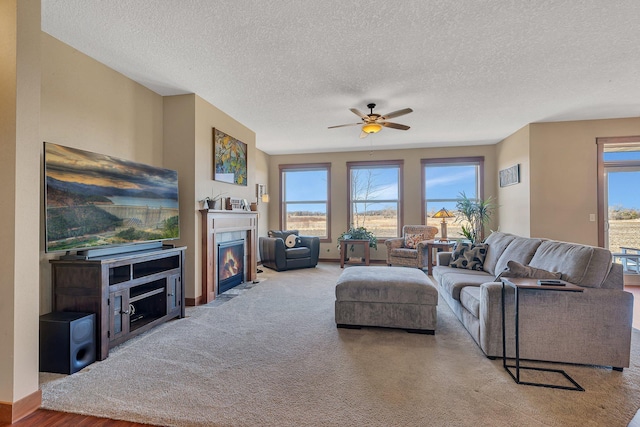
(67, 341)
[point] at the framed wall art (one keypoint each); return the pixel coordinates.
(510, 176)
(229, 159)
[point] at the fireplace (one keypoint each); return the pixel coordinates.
(230, 264)
(223, 226)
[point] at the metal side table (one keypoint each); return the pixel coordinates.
(521, 285)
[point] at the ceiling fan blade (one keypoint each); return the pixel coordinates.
(358, 113)
(363, 135)
(397, 113)
(394, 125)
(341, 126)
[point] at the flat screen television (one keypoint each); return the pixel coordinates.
(98, 201)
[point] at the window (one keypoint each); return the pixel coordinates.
(618, 202)
(375, 196)
(443, 181)
(305, 199)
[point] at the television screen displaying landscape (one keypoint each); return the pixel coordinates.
(95, 200)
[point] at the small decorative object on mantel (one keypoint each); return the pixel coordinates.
(510, 176)
(235, 204)
(213, 202)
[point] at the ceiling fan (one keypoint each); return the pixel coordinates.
(373, 123)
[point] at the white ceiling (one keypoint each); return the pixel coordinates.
(473, 71)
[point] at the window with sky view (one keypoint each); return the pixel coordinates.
(622, 172)
(374, 197)
(305, 199)
(444, 181)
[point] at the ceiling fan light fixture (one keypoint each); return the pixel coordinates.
(373, 122)
(371, 128)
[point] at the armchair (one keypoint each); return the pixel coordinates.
(275, 254)
(410, 250)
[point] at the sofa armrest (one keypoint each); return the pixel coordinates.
(272, 252)
(394, 243)
(313, 243)
(423, 255)
(443, 258)
(589, 327)
(615, 278)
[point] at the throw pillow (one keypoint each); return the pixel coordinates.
(282, 234)
(411, 240)
(469, 256)
(515, 269)
(291, 241)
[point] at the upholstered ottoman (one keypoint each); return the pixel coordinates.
(391, 297)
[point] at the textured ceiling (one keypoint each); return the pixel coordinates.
(473, 71)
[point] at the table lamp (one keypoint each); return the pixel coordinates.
(444, 214)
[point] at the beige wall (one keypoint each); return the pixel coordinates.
(412, 210)
(89, 106)
(189, 122)
(92, 107)
(20, 149)
(262, 162)
(209, 117)
(514, 205)
(180, 155)
(563, 158)
(558, 191)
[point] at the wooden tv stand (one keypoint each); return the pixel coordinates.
(130, 293)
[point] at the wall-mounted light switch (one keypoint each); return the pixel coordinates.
(592, 217)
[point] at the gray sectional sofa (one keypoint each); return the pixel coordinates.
(591, 327)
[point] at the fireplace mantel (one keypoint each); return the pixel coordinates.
(215, 222)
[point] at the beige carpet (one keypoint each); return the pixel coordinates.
(273, 357)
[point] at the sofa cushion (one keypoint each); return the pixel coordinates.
(404, 253)
(515, 269)
(397, 285)
(452, 283)
(521, 249)
(470, 299)
(599, 269)
(570, 259)
(300, 252)
(411, 240)
(497, 243)
(469, 256)
(440, 270)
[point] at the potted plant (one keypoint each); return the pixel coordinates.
(359, 233)
(211, 202)
(477, 213)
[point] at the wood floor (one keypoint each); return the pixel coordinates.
(46, 418)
